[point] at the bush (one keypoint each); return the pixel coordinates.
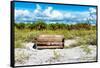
(20, 25)
(40, 25)
(88, 39)
(92, 40)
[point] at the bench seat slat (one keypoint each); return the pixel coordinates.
(49, 47)
(49, 43)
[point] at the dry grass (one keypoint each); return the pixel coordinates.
(26, 35)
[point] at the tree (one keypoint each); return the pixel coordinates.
(52, 26)
(40, 25)
(30, 26)
(20, 25)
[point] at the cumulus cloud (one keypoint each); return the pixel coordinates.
(38, 6)
(22, 13)
(50, 13)
(56, 15)
(92, 10)
(38, 10)
(67, 15)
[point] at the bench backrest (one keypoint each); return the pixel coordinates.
(50, 38)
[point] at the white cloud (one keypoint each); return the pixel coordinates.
(38, 11)
(93, 14)
(47, 11)
(48, 14)
(69, 15)
(38, 7)
(92, 10)
(51, 14)
(22, 13)
(56, 14)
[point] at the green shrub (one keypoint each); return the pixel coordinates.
(92, 40)
(88, 39)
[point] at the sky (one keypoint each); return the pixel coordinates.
(53, 13)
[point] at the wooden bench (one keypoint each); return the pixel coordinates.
(50, 41)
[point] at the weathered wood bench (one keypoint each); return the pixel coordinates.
(50, 41)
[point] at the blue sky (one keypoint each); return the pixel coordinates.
(25, 11)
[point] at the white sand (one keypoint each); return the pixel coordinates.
(47, 56)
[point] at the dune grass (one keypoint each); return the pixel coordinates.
(26, 35)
